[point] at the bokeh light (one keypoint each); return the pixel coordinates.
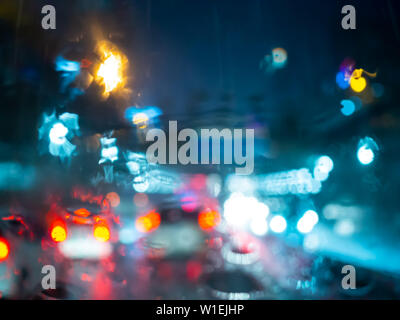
(188, 203)
(58, 133)
(141, 120)
(209, 219)
(279, 57)
(323, 166)
(240, 210)
(348, 107)
(101, 233)
(148, 222)
(4, 249)
(110, 72)
(365, 155)
(113, 198)
(307, 222)
(367, 148)
(358, 84)
(259, 227)
(58, 233)
(278, 224)
(342, 81)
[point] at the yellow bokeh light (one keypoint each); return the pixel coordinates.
(111, 72)
(58, 234)
(4, 250)
(143, 224)
(140, 119)
(358, 84)
(101, 233)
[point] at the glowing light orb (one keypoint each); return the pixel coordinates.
(110, 72)
(4, 249)
(365, 155)
(342, 81)
(209, 219)
(278, 224)
(143, 224)
(101, 233)
(58, 133)
(307, 222)
(325, 164)
(276, 59)
(58, 234)
(113, 198)
(239, 210)
(279, 57)
(189, 203)
(148, 222)
(358, 84)
(366, 150)
(348, 107)
(259, 227)
(140, 119)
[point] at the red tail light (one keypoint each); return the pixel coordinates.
(4, 249)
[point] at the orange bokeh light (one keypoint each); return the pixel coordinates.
(209, 219)
(113, 198)
(82, 212)
(148, 222)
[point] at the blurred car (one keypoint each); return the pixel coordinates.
(181, 226)
(15, 269)
(82, 227)
(174, 242)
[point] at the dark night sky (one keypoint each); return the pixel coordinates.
(186, 55)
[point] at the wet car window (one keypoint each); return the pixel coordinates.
(232, 150)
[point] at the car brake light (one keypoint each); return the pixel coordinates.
(58, 233)
(101, 233)
(4, 250)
